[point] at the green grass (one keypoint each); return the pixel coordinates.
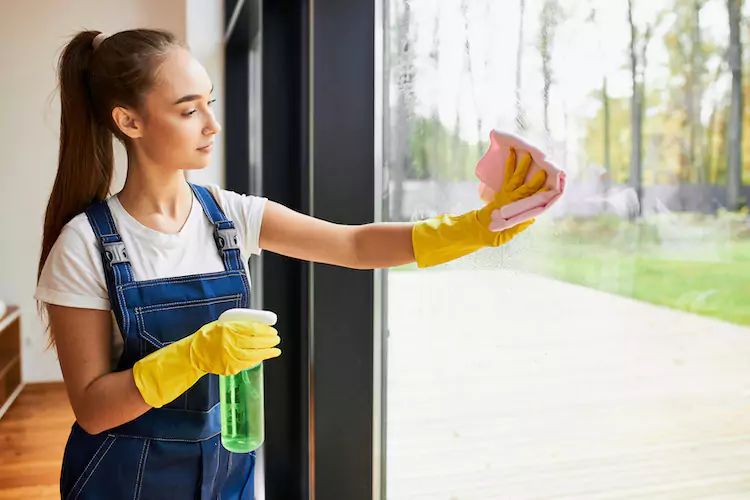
(720, 289)
(689, 262)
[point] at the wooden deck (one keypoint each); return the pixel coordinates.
(509, 386)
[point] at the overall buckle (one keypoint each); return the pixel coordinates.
(227, 239)
(114, 253)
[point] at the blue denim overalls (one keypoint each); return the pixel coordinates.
(172, 452)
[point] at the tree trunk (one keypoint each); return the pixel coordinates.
(734, 167)
(546, 37)
(696, 68)
(520, 121)
(401, 159)
(708, 140)
(635, 113)
(607, 159)
(470, 71)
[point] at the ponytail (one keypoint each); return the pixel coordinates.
(94, 78)
(86, 157)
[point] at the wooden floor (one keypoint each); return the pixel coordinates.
(32, 438)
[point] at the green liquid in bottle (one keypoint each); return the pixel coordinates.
(242, 424)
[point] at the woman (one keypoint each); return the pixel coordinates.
(165, 258)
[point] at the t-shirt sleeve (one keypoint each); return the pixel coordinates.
(73, 275)
(246, 211)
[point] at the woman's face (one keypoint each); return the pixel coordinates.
(178, 122)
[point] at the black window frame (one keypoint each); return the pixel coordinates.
(319, 128)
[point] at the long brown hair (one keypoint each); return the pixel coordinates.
(92, 82)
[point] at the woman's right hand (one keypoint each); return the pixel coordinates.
(446, 237)
(228, 348)
(223, 349)
(514, 188)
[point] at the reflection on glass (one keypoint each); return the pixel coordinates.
(604, 353)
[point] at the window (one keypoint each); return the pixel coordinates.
(604, 352)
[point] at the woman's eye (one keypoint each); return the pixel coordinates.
(193, 111)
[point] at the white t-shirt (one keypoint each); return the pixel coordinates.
(73, 274)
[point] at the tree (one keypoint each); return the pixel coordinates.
(714, 155)
(734, 58)
(688, 54)
(520, 120)
(403, 70)
(606, 115)
(613, 151)
(607, 138)
(638, 48)
(439, 153)
(549, 19)
(694, 90)
(470, 72)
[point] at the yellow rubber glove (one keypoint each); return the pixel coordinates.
(447, 237)
(224, 349)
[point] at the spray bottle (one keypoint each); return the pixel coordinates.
(241, 395)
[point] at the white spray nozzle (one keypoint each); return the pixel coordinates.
(250, 315)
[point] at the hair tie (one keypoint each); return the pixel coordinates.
(98, 39)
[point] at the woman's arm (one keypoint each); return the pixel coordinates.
(429, 243)
(100, 398)
(367, 246)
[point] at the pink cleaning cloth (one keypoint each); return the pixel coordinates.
(491, 172)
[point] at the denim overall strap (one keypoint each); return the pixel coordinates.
(117, 269)
(225, 234)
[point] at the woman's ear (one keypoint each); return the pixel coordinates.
(128, 122)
